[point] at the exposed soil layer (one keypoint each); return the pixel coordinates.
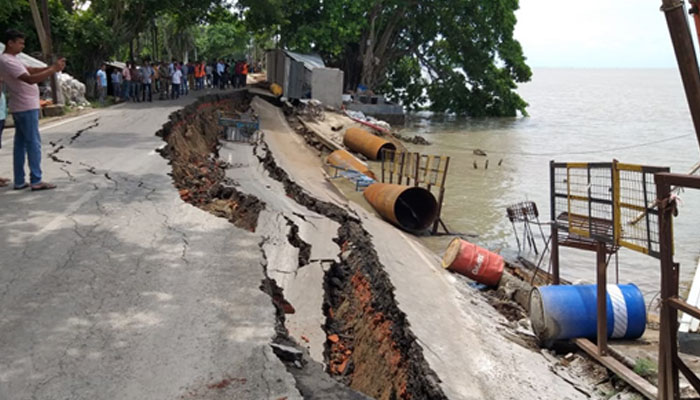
(370, 346)
(192, 148)
(296, 241)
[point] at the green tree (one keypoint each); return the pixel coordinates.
(225, 37)
(461, 54)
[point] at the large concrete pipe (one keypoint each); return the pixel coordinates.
(411, 208)
(343, 159)
(363, 142)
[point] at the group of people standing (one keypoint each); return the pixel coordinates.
(138, 83)
(232, 75)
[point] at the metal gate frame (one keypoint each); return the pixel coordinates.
(669, 361)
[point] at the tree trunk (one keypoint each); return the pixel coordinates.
(368, 56)
(43, 30)
(154, 35)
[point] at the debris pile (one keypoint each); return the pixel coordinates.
(420, 140)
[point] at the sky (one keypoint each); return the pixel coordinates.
(594, 34)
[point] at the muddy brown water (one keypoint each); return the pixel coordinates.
(576, 115)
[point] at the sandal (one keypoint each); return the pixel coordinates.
(20, 187)
(43, 186)
(4, 182)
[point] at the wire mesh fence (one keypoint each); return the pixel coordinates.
(609, 202)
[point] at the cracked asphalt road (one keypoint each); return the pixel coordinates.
(113, 288)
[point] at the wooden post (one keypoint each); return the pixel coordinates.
(43, 30)
(685, 56)
(383, 158)
(48, 55)
(555, 254)
(439, 210)
(441, 196)
(554, 231)
(601, 297)
(668, 371)
(416, 181)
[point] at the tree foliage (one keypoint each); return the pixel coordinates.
(225, 36)
(88, 33)
(458, 54)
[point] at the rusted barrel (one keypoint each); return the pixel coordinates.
(473, 261)
(411, 208)
(363, 142)
(343, 159)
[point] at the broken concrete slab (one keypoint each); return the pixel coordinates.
(306, 293)
(302, 284)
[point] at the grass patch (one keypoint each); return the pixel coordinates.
(645, 367)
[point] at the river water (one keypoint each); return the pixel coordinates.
(637, 116)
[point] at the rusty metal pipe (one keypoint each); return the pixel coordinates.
(685, 56)
(343, 159)
(363, 142)
(409, 207)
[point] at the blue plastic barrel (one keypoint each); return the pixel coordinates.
(570, 311)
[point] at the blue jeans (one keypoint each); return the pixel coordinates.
(183, 86)
(126, 90)
(147, 89)
(27, 141)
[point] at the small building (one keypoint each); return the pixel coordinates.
(292, 71)
(304, 76)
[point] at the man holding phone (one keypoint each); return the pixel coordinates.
(21, 82)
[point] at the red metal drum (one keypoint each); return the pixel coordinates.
(474, 262)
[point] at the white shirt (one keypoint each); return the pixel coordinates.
(177, 76)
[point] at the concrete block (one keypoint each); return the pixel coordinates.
(327, 86)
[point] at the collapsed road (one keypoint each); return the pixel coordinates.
(115, 286)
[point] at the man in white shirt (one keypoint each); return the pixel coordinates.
(177, 80)
(116, 83)
(220, 69)
(147, 79)
(101, 78)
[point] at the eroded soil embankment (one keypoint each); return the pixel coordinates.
(192, 148)
(370, 347)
